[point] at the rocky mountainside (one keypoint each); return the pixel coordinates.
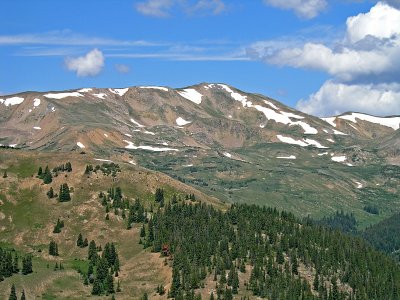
(237, 146)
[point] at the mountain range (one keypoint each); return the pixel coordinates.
(230, 144)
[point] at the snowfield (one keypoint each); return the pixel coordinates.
(100, 95)
(182, 122)
(154, 88)
(85, 90)
(119, 92)
(287, 157)
(37, 128)
(392, 122)
(148, 148)
(330, 120)
(191, 95)
(36, 102)
(137, 123)
(63, 95)
(80, 145)
(339, 158)
(12, 101)
(270, 114)
(227, 154)
(302, 143)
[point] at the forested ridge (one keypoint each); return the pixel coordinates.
(206, 242)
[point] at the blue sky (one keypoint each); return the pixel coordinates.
(290, 50)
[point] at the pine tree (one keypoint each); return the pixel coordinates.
(53, 248)
(13, 293)
(68, 167)
(159, 196)
(23, 295)
(142, 231)
(50, 193)
(64, 195)
(47, 177)
(58, 226)
(97, 287)
(79, 242)
(5, 174)
(85, 243)
(40, 172)
(109, 284)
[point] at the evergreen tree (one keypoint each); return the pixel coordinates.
(159, 195)
(79, 242)
(53, 248)
(5, 174)
(97, 287)
(64, 195)
(40, 172)
(47, 177)
(23, 295)
(50, 193)
(13, 294)
(68, 167)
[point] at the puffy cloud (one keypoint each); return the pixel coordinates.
(163, 8)
(90, 64)
(382, 21)
(364, 64)
(370, 47)
(335, 98)
(303, 8)
(123, 69)
(345, 63)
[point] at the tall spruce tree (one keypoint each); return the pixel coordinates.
(47, 177)
(13, 293)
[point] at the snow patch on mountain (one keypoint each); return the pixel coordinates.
(191, 95)
(85, 90)
(339, 158)
(37, 128)
(392, 122)
(227, 154)
(302, 143)
(148, 148)
(149, 132)
(182, 122)
(80, 145)
(271, 104)
(119, 92)
(155, 88)
(137, 123)
(36, 102)
(330, 120)
(286, 157)
(62, 95)
(12, 101)
(100, 95)
(289, 140)
(314, 143)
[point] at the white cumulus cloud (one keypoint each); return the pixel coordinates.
(335, 98)
(364, 64)
(303, 8)
(90, 64)
(382, 21)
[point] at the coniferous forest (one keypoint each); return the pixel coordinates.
(286, 259)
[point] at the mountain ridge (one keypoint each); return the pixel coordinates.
(236, 146)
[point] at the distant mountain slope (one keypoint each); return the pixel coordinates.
(238, 146)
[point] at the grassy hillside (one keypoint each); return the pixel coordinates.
(28, 217)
